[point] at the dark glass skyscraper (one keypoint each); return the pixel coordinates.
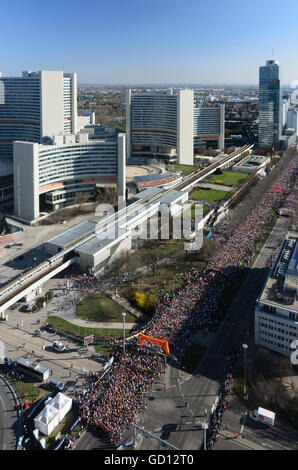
(270, 105)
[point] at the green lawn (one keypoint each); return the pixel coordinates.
(208, 195)
(155, 250)
(228, 178)
(31, 388)
(165, 278)
(68, 327)
(185, 169)
(100, 308)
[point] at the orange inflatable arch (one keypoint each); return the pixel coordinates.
(277, 187)
(164, 344)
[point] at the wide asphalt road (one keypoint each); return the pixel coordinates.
(10, 421)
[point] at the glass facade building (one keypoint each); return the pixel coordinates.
(36, 105)
(270, 105)
(159, 125)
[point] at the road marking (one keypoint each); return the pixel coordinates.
(242, 426)
(3, 405)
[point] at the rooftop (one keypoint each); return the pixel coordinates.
(101, 240)
(252, 161)
(74, 234)
(281, 287)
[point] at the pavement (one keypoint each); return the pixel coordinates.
(32, 251)
(11, 420)
(219, 187)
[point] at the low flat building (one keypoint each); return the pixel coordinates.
(251, 163)
(276, 313)
(288, 140)
(95, 244)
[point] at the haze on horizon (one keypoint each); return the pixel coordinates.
(152, 42)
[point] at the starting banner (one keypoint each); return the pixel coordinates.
(164, 344)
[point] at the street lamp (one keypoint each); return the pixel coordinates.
(244, 346)
(205, 427)
(123, 315)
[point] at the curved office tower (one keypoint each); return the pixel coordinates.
(52, 175)
(160, 125)
(36, 105)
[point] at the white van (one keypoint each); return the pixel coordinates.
(59, 346)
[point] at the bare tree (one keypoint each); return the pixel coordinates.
(81, 198)
(107, 194)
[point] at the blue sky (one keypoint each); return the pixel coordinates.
(152, 41)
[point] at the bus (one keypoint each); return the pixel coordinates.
(33, 370)
(286, 212)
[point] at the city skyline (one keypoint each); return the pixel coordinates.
(137, 43)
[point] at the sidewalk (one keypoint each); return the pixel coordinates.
(241, 440)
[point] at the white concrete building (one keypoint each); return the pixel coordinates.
(292, 119)
(160, 125)
(276, 313)
(85, 119)
(48, 176)
(36, 105)
(98, 243)
(209, 126)
(285, 107)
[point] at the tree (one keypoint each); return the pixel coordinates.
(144, 301)
(107, 194)
(81, 198)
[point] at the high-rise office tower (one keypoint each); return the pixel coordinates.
(36, 105)
(160, 125)
(270, 105)
(292, 118)
(209, 126)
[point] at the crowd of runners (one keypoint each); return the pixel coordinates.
(178, 316)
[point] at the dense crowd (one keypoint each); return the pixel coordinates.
(178, 316)
(124, 387)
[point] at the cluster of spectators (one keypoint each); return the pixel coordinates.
(178, 317)
(113, 401)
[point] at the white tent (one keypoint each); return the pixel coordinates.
(47, 420)
(62, 404)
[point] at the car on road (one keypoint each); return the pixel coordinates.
(55, 384)
(23, 308)
(58, 346)
(48, 329)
